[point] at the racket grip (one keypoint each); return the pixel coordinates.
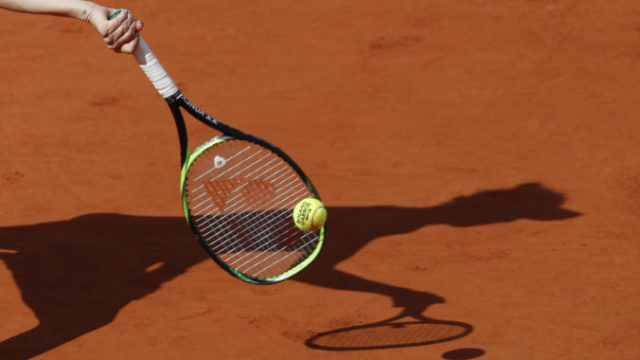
(154, 70)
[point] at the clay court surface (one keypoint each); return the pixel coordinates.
(480, 161)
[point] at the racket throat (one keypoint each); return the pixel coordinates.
(180, 127)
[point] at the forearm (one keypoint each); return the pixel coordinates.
(78, 9)
(119, 33)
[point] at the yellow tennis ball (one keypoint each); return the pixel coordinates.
(309, 215)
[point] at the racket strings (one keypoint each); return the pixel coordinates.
(240, 198)
(235, 204)
(245, 216)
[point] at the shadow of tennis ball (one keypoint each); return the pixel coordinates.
(463, 354)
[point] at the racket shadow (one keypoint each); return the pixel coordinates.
(76, 275)
(526, 201)
(414, 330)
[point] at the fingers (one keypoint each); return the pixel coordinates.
(130, 47)
(119, 30)
(122, 33)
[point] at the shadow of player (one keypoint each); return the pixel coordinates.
(76, 275)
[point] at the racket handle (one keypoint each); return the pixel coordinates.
(151, 66)
(154, 70)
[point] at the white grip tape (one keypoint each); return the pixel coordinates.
(154, 70)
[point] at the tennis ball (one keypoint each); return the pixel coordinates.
(309, 215)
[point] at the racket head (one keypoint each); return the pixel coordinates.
(238, 196)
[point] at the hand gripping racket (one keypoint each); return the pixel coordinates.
(238, 193)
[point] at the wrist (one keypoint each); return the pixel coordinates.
(85, 11)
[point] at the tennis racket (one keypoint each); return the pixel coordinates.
(238, 192)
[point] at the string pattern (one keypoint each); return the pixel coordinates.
(240, 199)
